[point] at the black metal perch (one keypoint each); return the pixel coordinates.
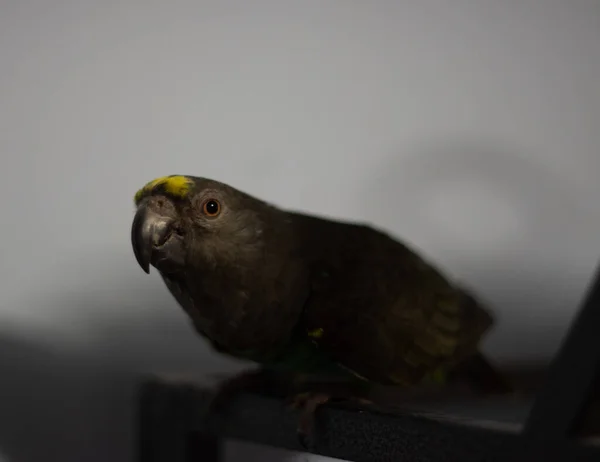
(173, 425)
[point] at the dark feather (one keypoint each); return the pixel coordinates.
(315, 295)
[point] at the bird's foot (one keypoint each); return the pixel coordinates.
(308, 403)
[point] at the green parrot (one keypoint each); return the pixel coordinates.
(309, 296)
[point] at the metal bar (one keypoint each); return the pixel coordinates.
(560, 403)
(172, 413)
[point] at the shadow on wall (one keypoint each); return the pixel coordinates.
(72, 399)
(505, 223)
(61, 406)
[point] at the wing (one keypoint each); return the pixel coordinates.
(383, 312)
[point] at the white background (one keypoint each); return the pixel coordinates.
(469, 128)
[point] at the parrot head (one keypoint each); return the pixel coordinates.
(182, 221)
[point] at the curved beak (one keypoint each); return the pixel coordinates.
(148, 231)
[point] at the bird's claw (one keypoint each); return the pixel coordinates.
(307, 404)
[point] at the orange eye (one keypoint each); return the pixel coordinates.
(211, 208)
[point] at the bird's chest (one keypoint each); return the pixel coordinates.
(234, 318)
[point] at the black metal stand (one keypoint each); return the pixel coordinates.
(173, 415)
(174, 426)
(570, 387)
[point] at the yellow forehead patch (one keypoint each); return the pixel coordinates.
(175, 185)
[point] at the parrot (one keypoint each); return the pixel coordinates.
(307, 295)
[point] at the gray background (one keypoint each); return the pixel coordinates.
(469, 128)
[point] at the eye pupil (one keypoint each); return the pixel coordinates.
(211, 207)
